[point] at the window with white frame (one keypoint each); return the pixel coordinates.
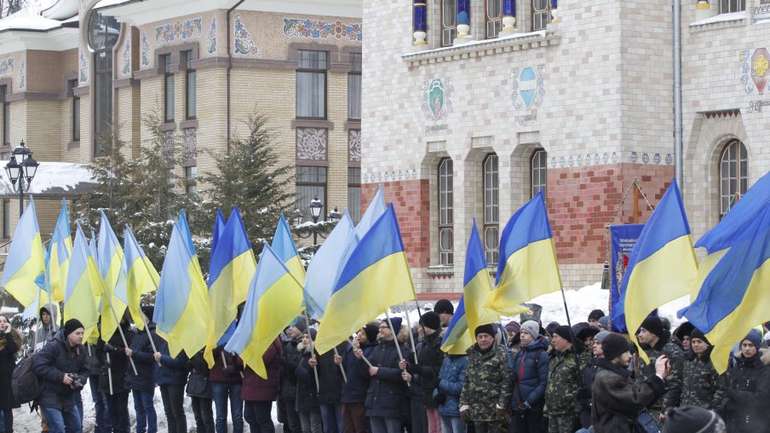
(448, 22)
(538, 171)
(541, 14)
(494, 15)
(730, 6)
(491, 177)
(733, 175)
(445, 212)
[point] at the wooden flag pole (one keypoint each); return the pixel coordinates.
(123, 337)
(395, 340)
(312, 349)
(411, 335)
(109, 371)
(342, 369)
(149, 335)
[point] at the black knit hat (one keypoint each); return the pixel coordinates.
(300, 323)
(691, 419)
(654, 325)
(430, 320)
(71, 326)
(444, 306)
(371, 330)
(697, 333)
(485, 329)
(564, 332)
(614, 345)
(595, 315)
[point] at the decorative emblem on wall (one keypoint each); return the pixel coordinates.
(312, 144)
(212, 37)
(354, 145)
(528, 92)
(6, 65)
(145, 50)
(314, 29)
(436, 99)
(755, 68)
(83, 67)
(126, 55)
(178, 30)
(244, 43)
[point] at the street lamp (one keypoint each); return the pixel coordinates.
(21, 169)
(316, 207)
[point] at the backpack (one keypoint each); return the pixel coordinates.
(24, 382)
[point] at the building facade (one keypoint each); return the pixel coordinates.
(471, 107)
(73, 71)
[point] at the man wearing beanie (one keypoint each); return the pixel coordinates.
(747, 387)
(562, 386)
(693, 419)
(61, 370)
(290, 357)
(445, 310)
(656, 341)
(701, 385)
(530, 374)
(616, 400)
(425, 374)
(354, 390)
(486, 395)
(588, 375)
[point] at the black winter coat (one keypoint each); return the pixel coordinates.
(748, 396)
(145, 363)
(358, 375)
(617, 400)
(9, 345)
(289, 359)
(307, 396)
(387, 394)
(172, 371)
(112, 356)
(530, 374)
(587, 377)
(330, 376)
(51, 363)
(426, 372)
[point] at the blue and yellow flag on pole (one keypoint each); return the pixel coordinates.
(662, 266)
(284, 248)
(471, 312)
(84, 288)
(274, 300)
(60, 252)
(113, 272)
(375, 277)
(182, 312)
(527, 267)
(232, 269)
(216, 232)
(141, 276)
(24, 273)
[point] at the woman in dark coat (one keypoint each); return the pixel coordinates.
(530, 376)
(259, 394)
(306, 403)
(331, 381)
(10, 342)
(199, 390)
(143, 385)
(387, 389)
(748, 390)
(112, 355)
(171, 376)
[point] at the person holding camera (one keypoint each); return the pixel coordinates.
(61, 369)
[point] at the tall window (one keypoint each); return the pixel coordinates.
(72, 86)
(538, 171)
(6, 219)
(448, 22)
(733, 175)
(190, 180)
(445, 213)
(494, 14)
(168, 88)
(311, 183)
(354, 87)
(6, 115)
(103, 33)
(491, 207)
(311, 84)
(354, 193)
(190, 87)
(728, 6)
(541, 14)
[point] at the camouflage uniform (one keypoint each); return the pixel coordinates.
(701, 384)
(561, 392)
(673, 383)
(487, 385)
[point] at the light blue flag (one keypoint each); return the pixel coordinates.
(216, 233)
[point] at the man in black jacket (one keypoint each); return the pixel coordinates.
(616, 399)
(425, 417)
(61, 369)
(112, 382)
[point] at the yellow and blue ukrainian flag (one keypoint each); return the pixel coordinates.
(59, 256)
(477, 287)
(284, 248)
(219, 227)
(274, 300)
(527, 266)
(84, 289)
(662, 266)
(24, 273)
(182, 312)
(113, 272)
(231, 271)
(141, 276)
(375, 277)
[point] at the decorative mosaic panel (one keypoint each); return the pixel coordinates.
(145, 50)
(312, 144)
(178, 30)
(190, 142)
(83, 67)
(23, 75)
(390, 175)
(126, 58)
(436, 100)
(6, 66)
(316, 29)
(605, 158)
(212, 37)
(244, 42)
(354, 145)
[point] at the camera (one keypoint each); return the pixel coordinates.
(78, 381)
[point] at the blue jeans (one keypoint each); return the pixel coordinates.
(221, 393)
(101, 410)
(146, 418)
(6, 420)
(452, 424)
(331, 417)
(65, 420)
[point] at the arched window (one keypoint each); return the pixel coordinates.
(103, 33)
(491, 207)
(448, 22)
(733, 175)
(538, 171)
(541, 14)
(494, 14)
(445, 212)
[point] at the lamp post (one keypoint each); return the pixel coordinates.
(316, 207)
(315, 211)
(21, 169)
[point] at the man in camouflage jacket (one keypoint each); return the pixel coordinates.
(486, 394)
(656, 342)
(561, 406)
(701, 384)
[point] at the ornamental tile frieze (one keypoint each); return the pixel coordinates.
(244, 41)
(312, 144)
(354, 145)
(317, 29)
(591, 159)
(177, 31)
(7, 66)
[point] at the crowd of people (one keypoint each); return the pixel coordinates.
(517, 378)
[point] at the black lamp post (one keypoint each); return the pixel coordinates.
(316, 207)
(21, 169)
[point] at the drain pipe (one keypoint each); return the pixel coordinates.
(678, 133)
(229, 70)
